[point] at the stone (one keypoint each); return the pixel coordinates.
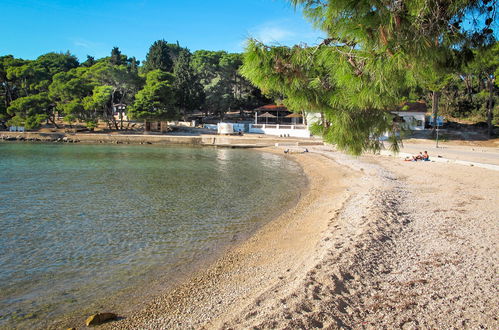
(100, 318)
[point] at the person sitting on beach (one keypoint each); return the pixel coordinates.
(426, 157)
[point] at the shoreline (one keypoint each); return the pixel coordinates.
(78, 316)
(125, 302)
(391, 245)
(215, 140)
(247, 269)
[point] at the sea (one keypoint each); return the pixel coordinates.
(80, 224)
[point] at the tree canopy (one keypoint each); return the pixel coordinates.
(170, 84)
(159, 57)
(374, 53)
(156, 100)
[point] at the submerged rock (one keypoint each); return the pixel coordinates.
(100, 318)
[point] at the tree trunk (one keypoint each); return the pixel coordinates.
(490, 106)
(8, 94)
(469, 90)
(122, 98)
(51, 117)
(434, 109)
(52, 120)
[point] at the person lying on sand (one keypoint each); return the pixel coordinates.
(421, 156)
(414, 158)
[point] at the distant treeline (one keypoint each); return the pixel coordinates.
(171, 83)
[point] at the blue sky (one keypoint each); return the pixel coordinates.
(34, 27)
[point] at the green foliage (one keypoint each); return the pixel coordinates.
(159, 57)
(54, 63)
(466, 93)
(117, 85)
(188, 91)
(89, 62)
(116, 57)
(3, 113)
(91, 91)
(29, 111)
(350, 103)
(100, 98)
(374, 54)
(156, 101)
(70, 85)
(224, 87)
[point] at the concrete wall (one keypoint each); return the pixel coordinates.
(235, 141)
(102, 138)
(281, 130)
(191, 123)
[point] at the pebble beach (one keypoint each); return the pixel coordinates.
(373, 242)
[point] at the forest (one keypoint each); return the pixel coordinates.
(170, 84)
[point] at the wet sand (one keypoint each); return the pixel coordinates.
(374, 242)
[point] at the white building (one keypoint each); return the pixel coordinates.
(413, 115)
(277, 120)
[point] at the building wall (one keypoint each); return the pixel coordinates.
(414, 120)
(281, 130)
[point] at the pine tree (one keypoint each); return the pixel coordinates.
(188, 90)
(116, 57)
(374, 51)
(158, 57)
(156, 101)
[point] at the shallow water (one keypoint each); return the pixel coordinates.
(82, 222)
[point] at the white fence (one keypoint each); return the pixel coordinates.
(281, 130)
(268, 129)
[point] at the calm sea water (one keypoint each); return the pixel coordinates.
(82, 222)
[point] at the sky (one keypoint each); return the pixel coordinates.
(31, 28)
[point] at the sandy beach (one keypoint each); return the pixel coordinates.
(374, 242)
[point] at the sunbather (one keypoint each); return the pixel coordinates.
(417, 157)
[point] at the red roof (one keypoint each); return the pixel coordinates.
(272, 107)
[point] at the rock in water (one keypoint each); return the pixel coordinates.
(100, 318)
